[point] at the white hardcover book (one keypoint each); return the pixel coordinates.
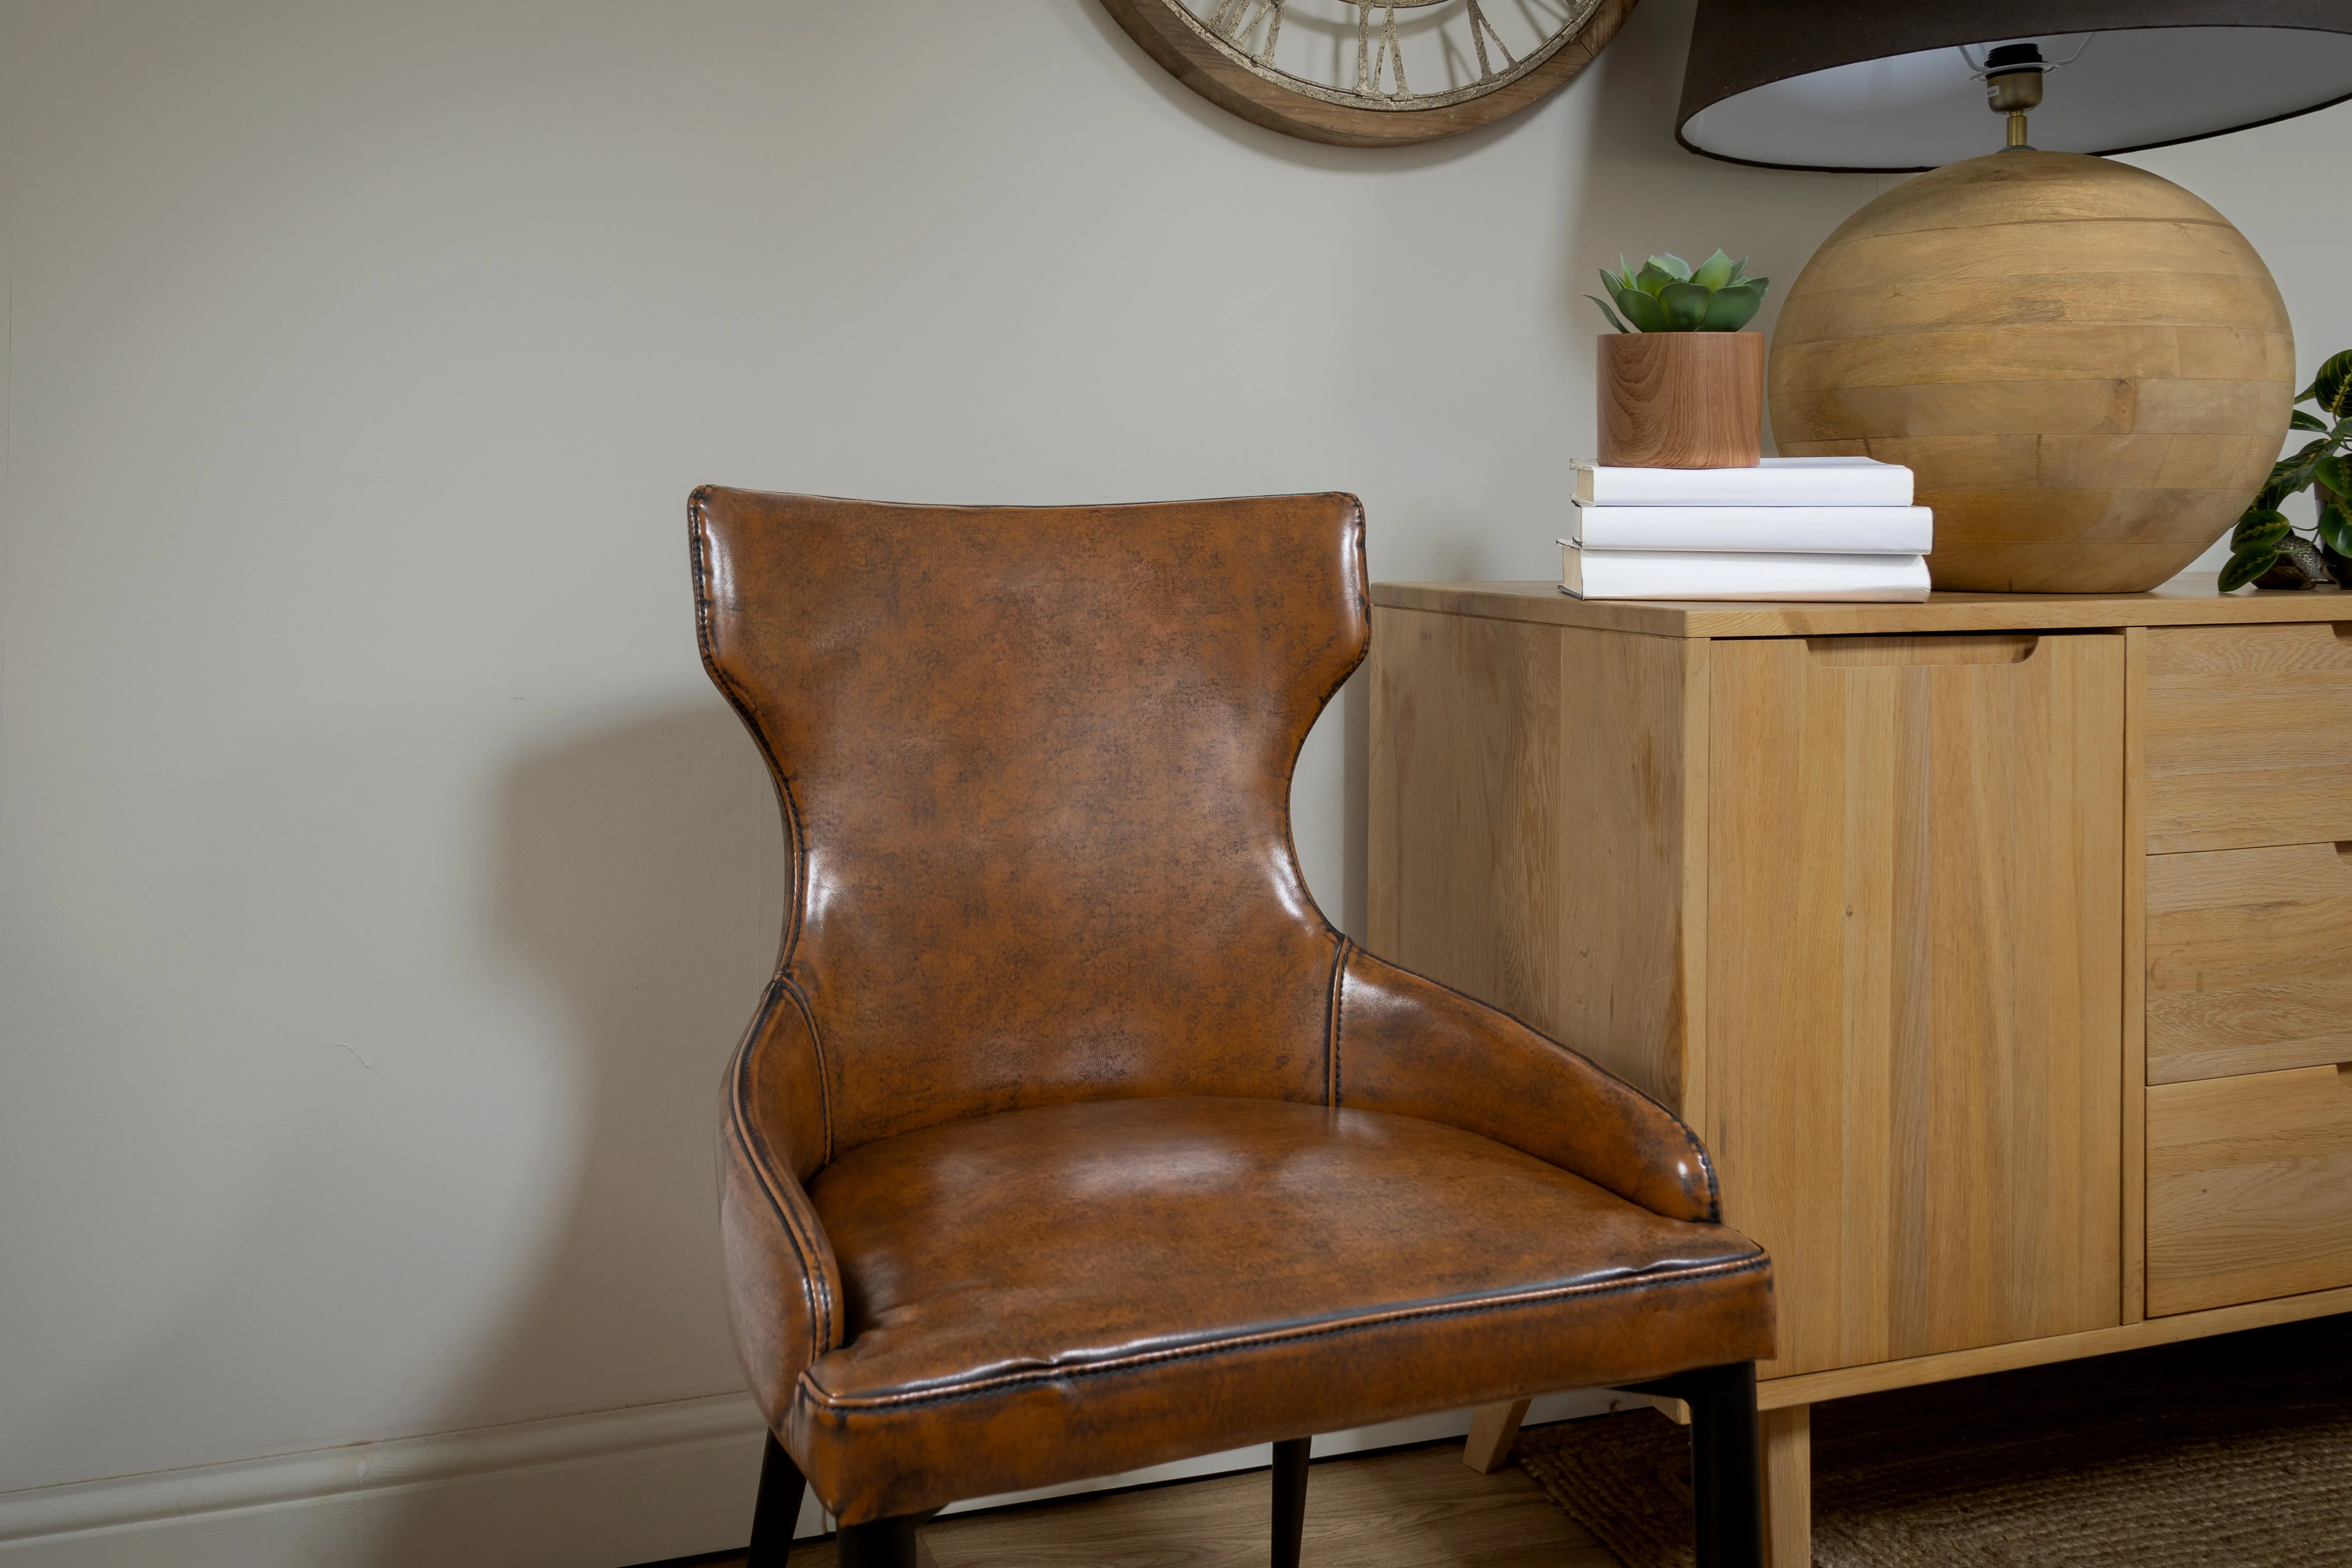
(1727, 574)
(1836, 530)
(1776, 481)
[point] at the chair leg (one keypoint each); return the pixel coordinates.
(1725, 1469)
(779, 1509)
(1290, 1458)
(883, 1543)
(1727, 1453)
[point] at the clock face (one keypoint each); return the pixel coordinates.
(1362, 75)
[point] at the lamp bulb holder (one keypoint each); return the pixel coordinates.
(2012, 75)
(2000, 60)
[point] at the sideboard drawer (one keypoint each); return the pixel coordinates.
(2249, 961)
(2249, 1188)
(2249, 736)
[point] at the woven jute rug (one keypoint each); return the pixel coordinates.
(2225, 1453)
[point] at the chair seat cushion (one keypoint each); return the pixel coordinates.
(1075, 1290)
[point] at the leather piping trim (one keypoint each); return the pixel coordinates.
(815, 1287)
(1363, 595)
(706, 638)
(1728, 1269)
(1360, 596)
(1698, 1150)
(791, 988)
(1706, 1168)
(1333, 1006)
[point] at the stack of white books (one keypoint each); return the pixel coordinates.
(1793, 528)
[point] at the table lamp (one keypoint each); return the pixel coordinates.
(2088, 369)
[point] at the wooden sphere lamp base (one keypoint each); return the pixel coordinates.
(2088, 369)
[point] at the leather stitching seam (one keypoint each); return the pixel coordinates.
(816, 1043)
(1731, 1268)
(815, 1288)
(816, 1283)
(706, 638)
(1335, 1007)
(1359, 598)
(1705, 1169)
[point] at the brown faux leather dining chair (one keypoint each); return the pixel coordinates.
(1069, 1137)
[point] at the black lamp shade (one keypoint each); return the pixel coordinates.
(1883, 84)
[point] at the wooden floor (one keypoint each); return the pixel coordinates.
(1419, 1508)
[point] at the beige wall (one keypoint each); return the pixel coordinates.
(381, 884)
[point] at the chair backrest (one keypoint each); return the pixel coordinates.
(1035, 768)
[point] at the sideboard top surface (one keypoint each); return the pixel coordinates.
(2186, 601)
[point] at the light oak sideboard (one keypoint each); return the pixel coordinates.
(2000, 947)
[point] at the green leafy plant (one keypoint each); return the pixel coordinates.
(1667, 296)
(2266, 548)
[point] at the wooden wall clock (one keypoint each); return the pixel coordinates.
(1372, 75)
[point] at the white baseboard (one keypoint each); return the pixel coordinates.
(599, 1490)
(608, 1490)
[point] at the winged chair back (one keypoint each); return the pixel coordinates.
(1070, 1138)
(1035, 768)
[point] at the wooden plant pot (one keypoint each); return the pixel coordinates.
(1682, 400)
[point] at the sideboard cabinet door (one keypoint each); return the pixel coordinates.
(1913, 1045)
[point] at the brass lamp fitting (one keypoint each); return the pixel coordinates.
(2014, 92)
(2017, 88)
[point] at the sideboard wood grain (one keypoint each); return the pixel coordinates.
(2249, 1188)
(2249, 736)
(1994, 944)
(1502, 744)
(2247, 967)
(1914, 984)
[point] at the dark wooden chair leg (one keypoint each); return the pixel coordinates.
(883, 1543)
(779, 1509)
(1726, 1461)
(1727, 1470)
(1289, 1499)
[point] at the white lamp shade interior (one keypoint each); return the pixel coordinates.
(2127, 88)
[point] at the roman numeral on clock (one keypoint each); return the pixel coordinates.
(1369, 66)
(1482, 30)
(1236, 20)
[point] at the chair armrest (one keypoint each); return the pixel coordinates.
(783, 1284)
(1409, 1046)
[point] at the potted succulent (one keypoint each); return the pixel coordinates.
(1682, 386)
(2268, 550)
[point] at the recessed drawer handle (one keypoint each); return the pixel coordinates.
(1995, 647)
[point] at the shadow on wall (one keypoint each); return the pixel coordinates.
(639, 878)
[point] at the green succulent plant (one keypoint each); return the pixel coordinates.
(2267, 550)
(1667, 296)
